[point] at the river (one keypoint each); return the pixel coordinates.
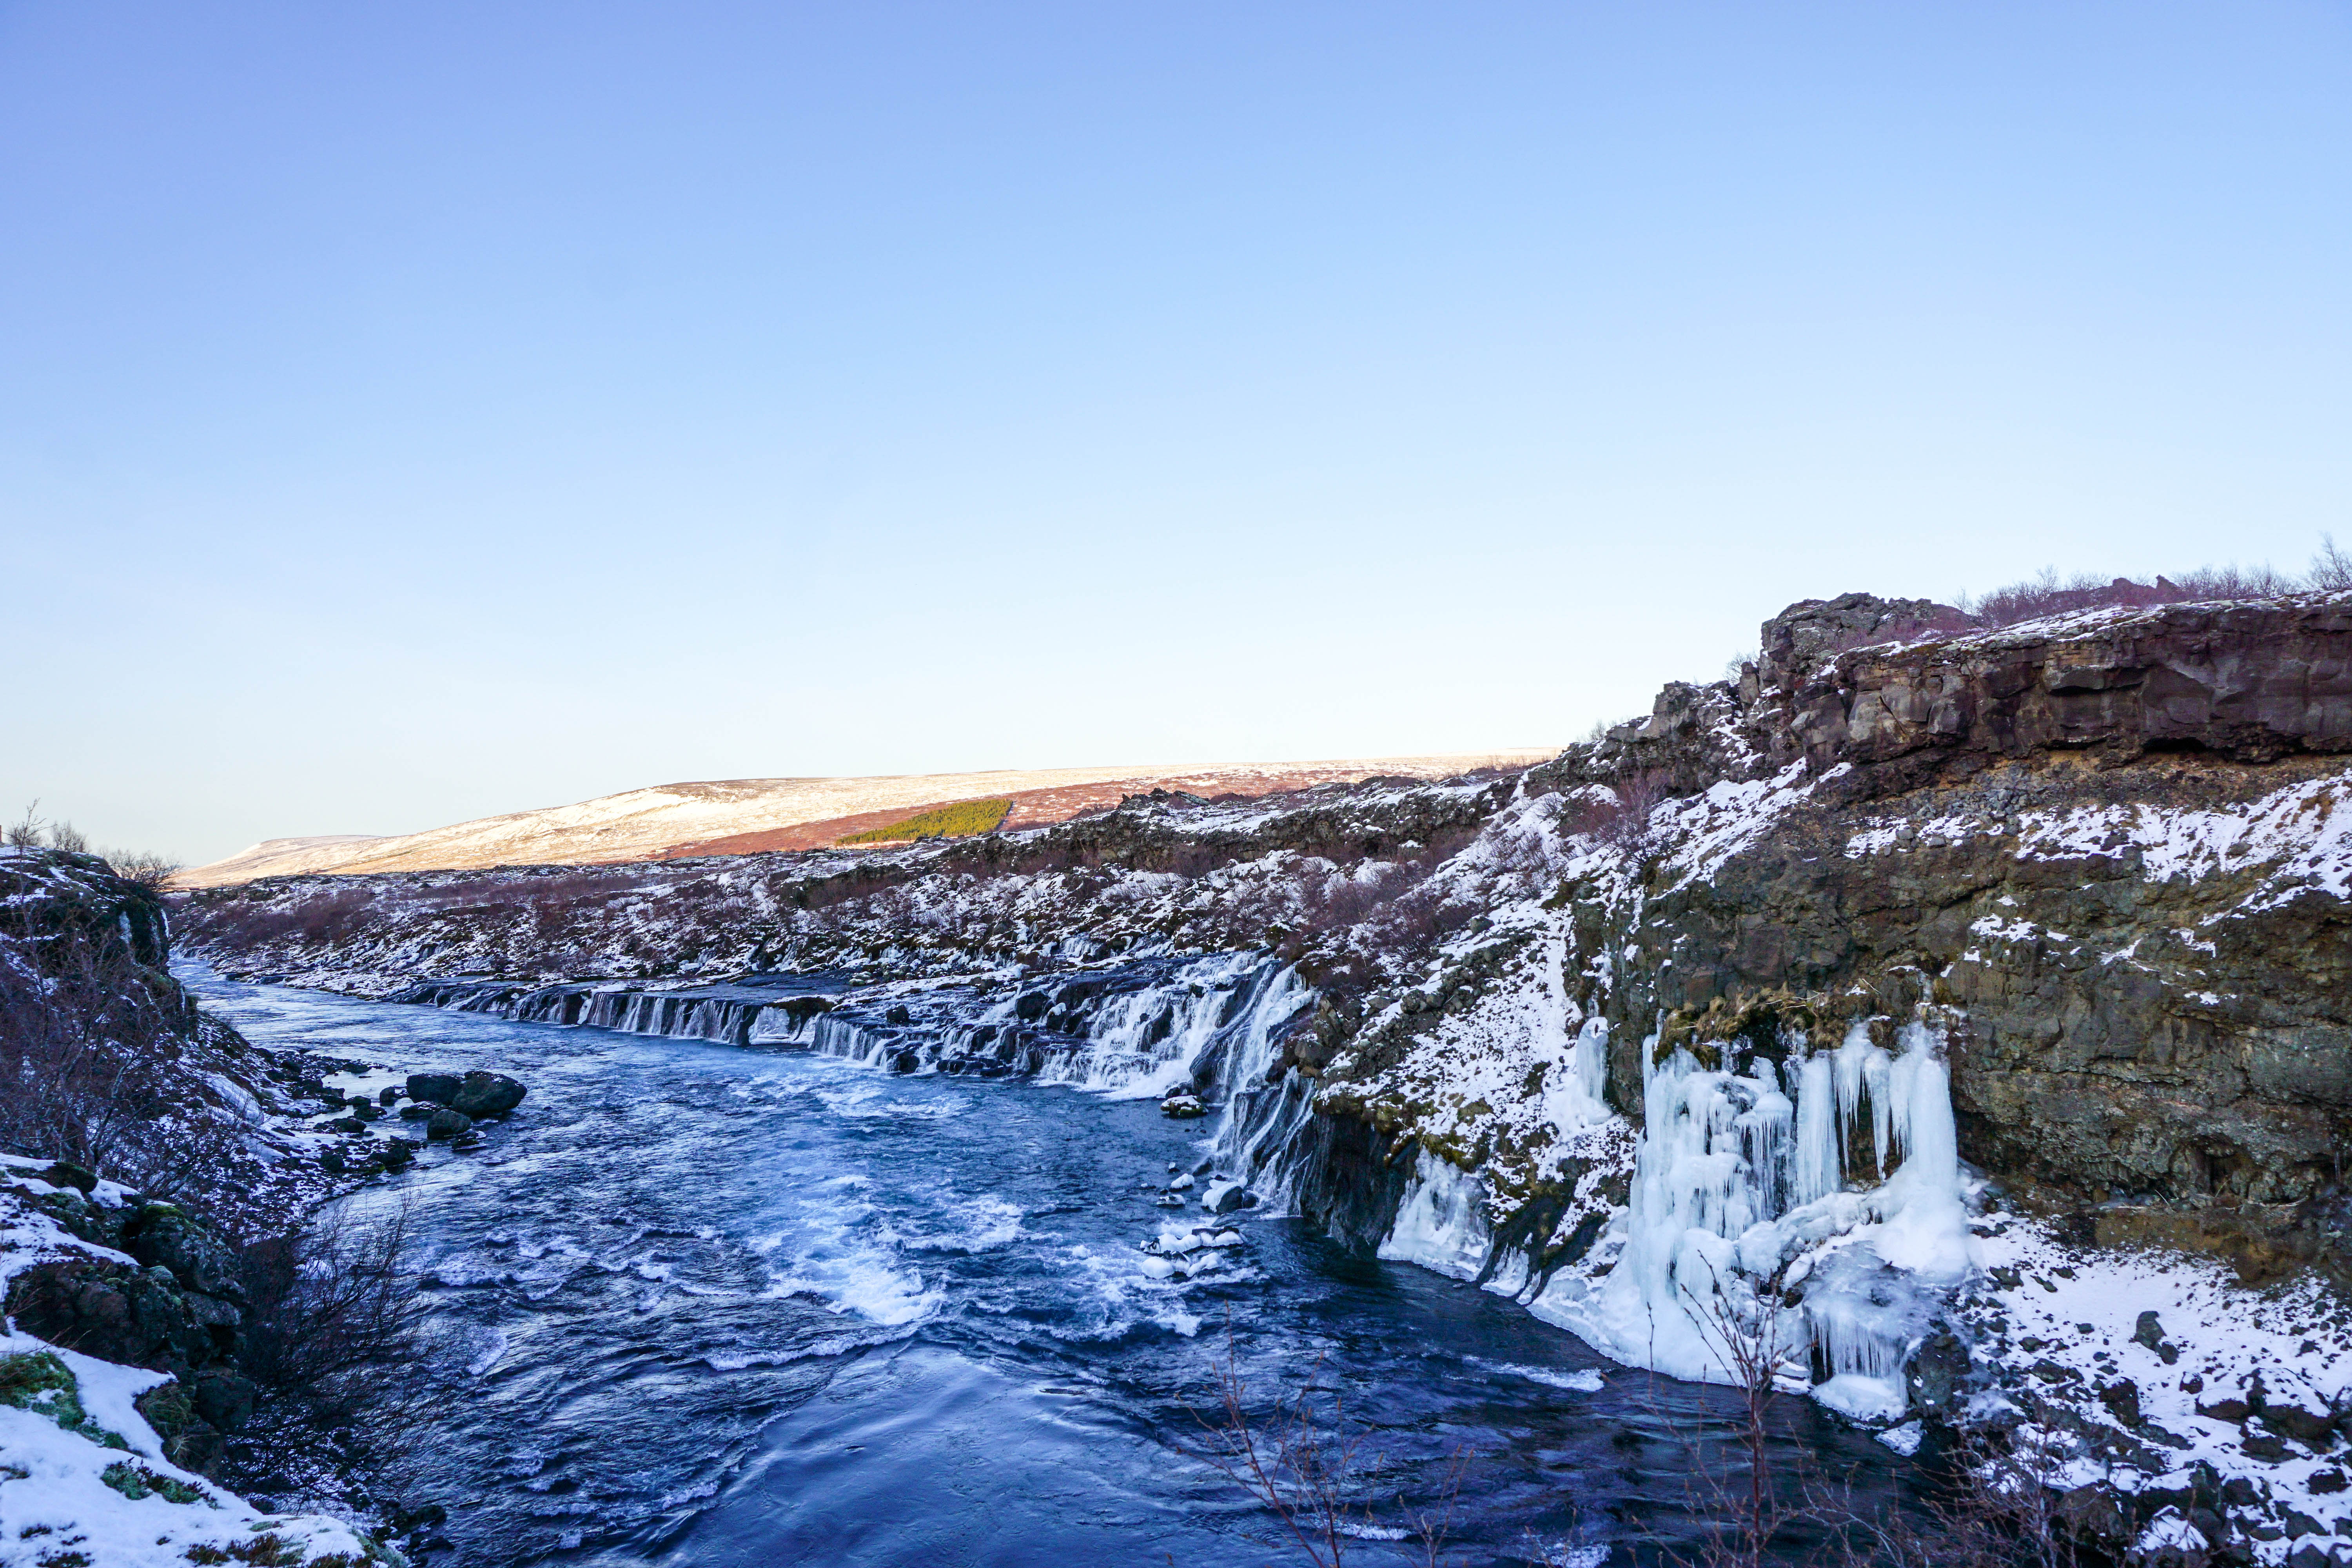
(721, 1304)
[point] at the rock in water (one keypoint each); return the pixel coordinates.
(440, 1088)
(447, 1124)
(486, 1094)
(1183, 1106)
(1223, 1195)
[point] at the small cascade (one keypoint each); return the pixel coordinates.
(729, 1015)
(1833, 1177)
(1261, 1134)
(1136, 1030)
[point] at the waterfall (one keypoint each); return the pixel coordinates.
(1760, 1178)
(1133, 1031)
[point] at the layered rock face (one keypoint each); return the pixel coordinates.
(2110, 840)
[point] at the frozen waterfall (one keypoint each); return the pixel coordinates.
(1832, 1180)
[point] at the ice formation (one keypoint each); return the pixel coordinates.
(1831, 1177)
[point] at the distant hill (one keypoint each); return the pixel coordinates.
(736, 817)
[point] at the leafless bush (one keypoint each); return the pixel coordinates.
(1618, 813)
(336, 1343)
(248, 923)
(2049, 594)
(2331, 569)
(92, 1061)
(1757, 1504)
(1308, 1464)
(150, 872)
(328, 1301)
(26, 832)
(1992, 1510)
(66, 837)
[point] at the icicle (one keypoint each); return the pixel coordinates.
(1817, 1163)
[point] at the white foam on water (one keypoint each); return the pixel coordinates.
(831, 1249)
(978, 1224)
(1584, 1380)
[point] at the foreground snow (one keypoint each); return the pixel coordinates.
(83, 1479)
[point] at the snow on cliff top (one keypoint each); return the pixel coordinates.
(638, 823)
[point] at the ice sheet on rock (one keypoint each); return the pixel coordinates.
(1442, 1224)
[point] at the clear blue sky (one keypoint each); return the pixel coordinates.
(413, 412)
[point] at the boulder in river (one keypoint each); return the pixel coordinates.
(1223, 1195)
(440, 1088)
(447, 1124)
(484, 1094)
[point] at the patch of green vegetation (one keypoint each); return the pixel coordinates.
(960, 820)
(136, 1481)
(38, 1382)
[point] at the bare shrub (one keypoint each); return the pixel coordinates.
(66, 837)
(2049, 594)
(150, 872)
(328, 1301)
(1617, 812)
(26, 832)
(92, 1061)
(2331, 569)
(1990, 1509)
(1307, 1463)
(1757, 1504)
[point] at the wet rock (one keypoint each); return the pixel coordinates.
(446, 1123)
(113, 1312)
(346, 1124)
(487, 1094)
(390, 1093)
(1933, 1378)
(65, 1173)
(1224, 1196)
(366, 1109)
(1184, 1107)
(162, 1235)
(399, 1153)
(438, 1087)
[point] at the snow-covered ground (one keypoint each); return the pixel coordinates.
(83, 1479)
